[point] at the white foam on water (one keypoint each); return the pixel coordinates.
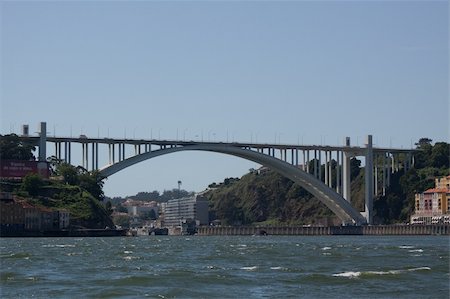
(58, 245)
(326, 248)
(415, 250)
(252, 268)
(349, 274)
(405, 246)
(127, 252)
(354, 274)
(419, 269)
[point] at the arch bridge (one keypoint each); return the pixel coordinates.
(311, 166)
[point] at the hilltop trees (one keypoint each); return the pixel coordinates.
(12, 148)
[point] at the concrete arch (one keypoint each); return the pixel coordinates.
(334, 201)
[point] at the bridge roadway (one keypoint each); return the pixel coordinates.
(291, 160)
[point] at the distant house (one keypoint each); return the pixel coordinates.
(139, 208)
(19, 215)
(11, 217)
(433, 205)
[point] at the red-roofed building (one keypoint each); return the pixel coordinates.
(433, 205)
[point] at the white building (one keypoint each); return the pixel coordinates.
(139, 208)
(186, 208)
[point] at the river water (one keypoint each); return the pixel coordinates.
(226, 267)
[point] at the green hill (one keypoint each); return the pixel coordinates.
(269, 198)
(69, 188)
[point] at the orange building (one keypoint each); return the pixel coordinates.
(433, 205)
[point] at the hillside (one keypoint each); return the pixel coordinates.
(69, 188)
(269, 198)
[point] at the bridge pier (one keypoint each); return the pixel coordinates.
(369, 180)
(43, 142)
(346, 172)
(338, 172)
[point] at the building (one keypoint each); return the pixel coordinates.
(433, 205)
(19, 215)
(186, 208)
(33, 217)
(11, 217)
(141, 208)
(64, 219)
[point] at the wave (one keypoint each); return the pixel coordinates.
(279, 268)
(252, 268)
(355, 274)
(415, 250)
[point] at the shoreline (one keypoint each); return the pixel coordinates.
(374, 230)
(66, 233)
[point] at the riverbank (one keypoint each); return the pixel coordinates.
(322, 230)
(68, 233)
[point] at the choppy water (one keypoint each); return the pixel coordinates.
(226, 267)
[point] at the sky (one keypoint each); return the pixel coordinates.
(293, 72)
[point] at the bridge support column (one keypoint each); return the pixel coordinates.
(93, 156)
(65, 152)
(320, 165)
(85, 151)
(307, 161)
(369, 180)
(346, 172)
(315, 163)
(113, 153)
(69, 146)
(96, 156)
(43, 142)
(304, 161)
(330, 170)
(338, 172)
(326, 169)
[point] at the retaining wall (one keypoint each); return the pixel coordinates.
(330, 230)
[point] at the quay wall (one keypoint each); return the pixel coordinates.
(322, 230)
(66, 233)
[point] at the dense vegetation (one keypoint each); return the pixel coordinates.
(152, 196)
(430, 162)
(71, 188)
(269, 198)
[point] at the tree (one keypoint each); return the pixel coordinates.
(92, 183)
(440, 155)
(12, 148)
(54, 163)
(108, 208)
(69, 173)
(424, 151)
(355, 167)
(31, 183)
(121, 209)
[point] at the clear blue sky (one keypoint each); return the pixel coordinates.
(267, 71)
